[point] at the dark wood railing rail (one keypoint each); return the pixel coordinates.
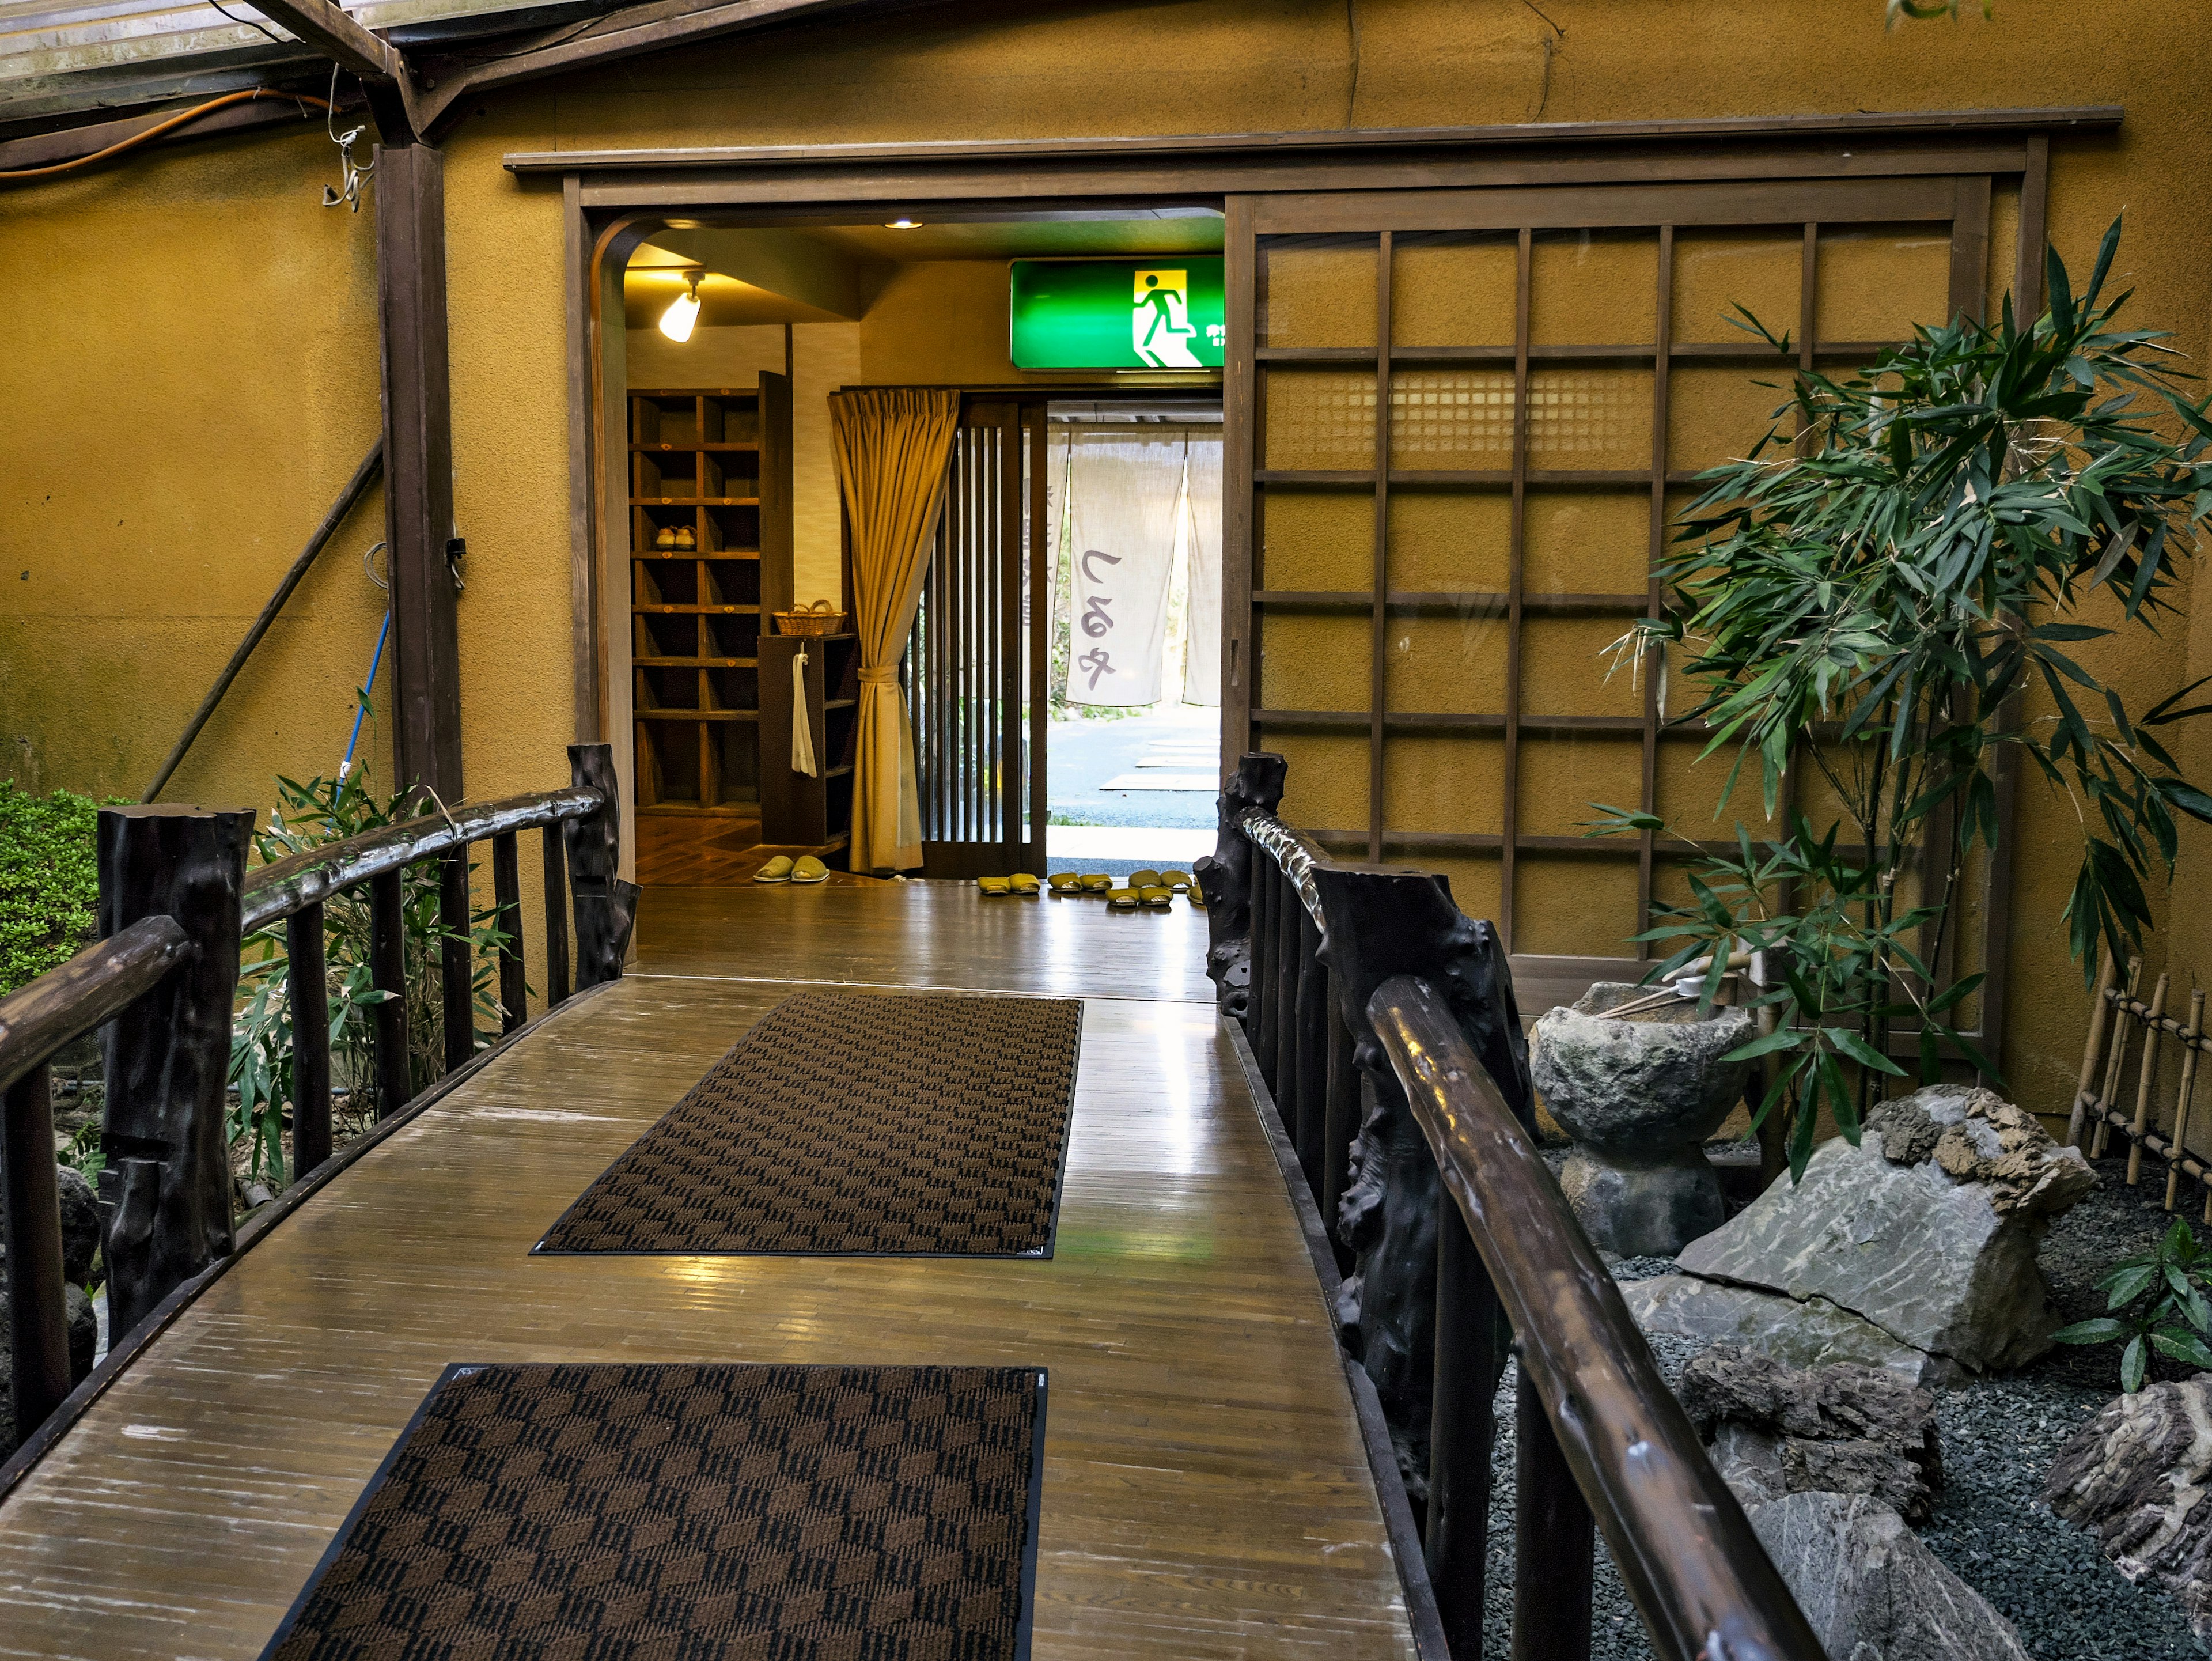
(175, 905)
(1382, 1022)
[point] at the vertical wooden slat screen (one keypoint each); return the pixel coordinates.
(972, 657)
(1473, 435)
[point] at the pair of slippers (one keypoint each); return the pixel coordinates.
(1176, 882)
(783, 868)
(1068, 882)
(1153, 898)
(1020, 883)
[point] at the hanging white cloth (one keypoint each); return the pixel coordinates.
(1199, 528)
(1123, 490)
(802, 729)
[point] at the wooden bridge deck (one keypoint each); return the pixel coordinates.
(1204, 1490)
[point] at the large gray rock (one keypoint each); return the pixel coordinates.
(1812, 1333)
(1843, 1428)
(80, 1226)
(1942, 1261)
(2136, 1476)
(1871, 1590)
(1640, 1096)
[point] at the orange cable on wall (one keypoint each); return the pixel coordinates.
(160, 127)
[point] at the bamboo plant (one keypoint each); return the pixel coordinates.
(1876, 593)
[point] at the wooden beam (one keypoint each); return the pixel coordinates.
(319, 24)
(271, 108)
(654, 27)
(1212, 147)
(418, 467)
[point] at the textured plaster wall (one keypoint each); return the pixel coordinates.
(192, 347)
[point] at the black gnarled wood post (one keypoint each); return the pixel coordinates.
(1378, 923)
(606, 906)
(165, 1194)
(388, 972)
(507, 897)
(31, 1224)
(307, 989)
(1224, 876)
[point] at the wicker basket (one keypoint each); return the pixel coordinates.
(816, 621)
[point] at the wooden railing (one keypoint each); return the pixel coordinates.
(175, 905)
(1383, 1024)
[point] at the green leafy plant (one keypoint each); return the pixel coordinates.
(318, 811)
(2155, 1301)
(1874, 597)
(49, 881)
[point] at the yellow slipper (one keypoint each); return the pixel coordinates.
(1121, 899)
(994, 884)
(776, 870)
(1095, 883)
(810, 869)
(1065, 882)
(1158, 899)
(1024, 884)
(1178, 880)
(1144, 879)
(1197, 897)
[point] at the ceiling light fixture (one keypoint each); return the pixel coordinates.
(902, 224)
(683, 313)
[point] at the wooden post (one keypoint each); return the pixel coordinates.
(306, 987)
(2152, 1033)
(2099, 1014)
(2191, 1047)
(418, 467)
(31, 1224)
(557, 917)
(166, 1193)
(1456, 1542)
(1378, 923)
(1552, 1541)
(606, 906)
(1311, 1050)
(1260, 1003)
(388, 972)
(1224, 876)
(2115, 1061)
(1340, 1124)
(1290, 910)
(507, 897)
(456, 960)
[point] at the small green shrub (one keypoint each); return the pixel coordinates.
(2157, 1300)
(49, 881)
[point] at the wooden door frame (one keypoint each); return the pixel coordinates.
(609, 195)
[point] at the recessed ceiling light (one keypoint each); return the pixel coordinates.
(902, 224)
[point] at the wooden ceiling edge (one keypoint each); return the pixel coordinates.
(60, 144)
(1980, 123)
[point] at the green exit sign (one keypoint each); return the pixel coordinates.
(1164, 312)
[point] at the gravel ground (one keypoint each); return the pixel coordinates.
(1999, 1437)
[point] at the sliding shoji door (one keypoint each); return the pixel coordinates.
(1468, 418)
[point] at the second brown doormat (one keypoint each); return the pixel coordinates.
(915, 1124)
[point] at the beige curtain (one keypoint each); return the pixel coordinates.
(891, 446)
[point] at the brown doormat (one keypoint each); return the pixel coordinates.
(897, 1124)
(627, 1511)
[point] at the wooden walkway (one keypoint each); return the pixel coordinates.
(1204, 1490)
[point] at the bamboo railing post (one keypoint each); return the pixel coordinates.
(31, 1224)
(1290, 911)
(2100, 1016)
(1260, 1003)
(387, 973)
(2152, 1030)
(2192, 1045)
(507, 898)
(1553, 1540)
(457, 963)
(2115, 1061)
(557, 917)
(165, 1194)
(306, 988)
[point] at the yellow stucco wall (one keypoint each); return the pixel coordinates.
(193, 348)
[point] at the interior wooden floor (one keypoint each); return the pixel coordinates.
(1205, 1494)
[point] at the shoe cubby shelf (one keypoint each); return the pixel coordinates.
(710, 552)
